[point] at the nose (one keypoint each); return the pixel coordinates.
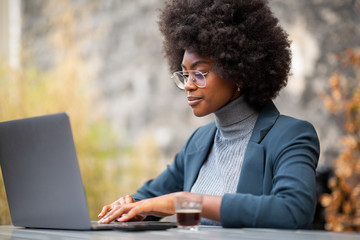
(189, 84)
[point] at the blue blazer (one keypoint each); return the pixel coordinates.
(277, 187)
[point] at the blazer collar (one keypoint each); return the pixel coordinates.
(206, 139)
(266, 119)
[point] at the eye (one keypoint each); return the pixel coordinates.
(186, 75)
(199, 76)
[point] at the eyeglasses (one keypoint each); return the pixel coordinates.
(182, 77)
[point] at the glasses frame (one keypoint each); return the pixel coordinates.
(180, 84)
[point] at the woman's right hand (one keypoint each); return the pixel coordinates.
(121, 201)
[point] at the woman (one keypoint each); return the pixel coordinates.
(253, 166)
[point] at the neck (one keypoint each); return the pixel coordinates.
(230, 118)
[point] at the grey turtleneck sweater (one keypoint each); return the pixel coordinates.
(221, 171)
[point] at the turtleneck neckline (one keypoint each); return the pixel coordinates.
(232, 117)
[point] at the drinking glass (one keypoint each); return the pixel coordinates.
(188, 210)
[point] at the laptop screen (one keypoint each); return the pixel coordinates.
(41, 173)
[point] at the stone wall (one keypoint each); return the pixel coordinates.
(120, 44)
(319, 29)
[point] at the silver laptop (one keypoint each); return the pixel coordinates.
(42, 177)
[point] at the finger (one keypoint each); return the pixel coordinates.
(132, 214)
(138, 217)
(136, 211)
(104, 210)
(114, 214)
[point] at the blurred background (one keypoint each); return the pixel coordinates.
(101, 62)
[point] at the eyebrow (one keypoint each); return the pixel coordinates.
(194, 64)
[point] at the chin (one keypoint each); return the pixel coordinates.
(200, 114)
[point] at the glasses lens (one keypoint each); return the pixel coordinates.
(200, 80)
(181, 78)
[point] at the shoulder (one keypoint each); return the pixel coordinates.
(288, 126)
(293, 134)
(271, 123)
(276, 132)
(201, 137)
(205, 130)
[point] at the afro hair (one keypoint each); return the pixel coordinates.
(242, 37)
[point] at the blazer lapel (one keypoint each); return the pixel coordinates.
(197, 156)
(265, 121)
(252, 171)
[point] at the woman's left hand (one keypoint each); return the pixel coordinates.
(159, 206)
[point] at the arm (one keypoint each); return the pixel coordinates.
(292, 152)
(211, 207)
(158, 206)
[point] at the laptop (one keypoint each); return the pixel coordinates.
(42, 177)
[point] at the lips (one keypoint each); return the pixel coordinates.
(192, 100)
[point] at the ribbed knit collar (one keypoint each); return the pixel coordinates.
(232, 119)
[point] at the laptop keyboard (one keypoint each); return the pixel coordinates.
(133, 226)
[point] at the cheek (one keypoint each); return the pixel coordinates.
(223, 90)
(218, 93)
(218, 98)
(222, 86)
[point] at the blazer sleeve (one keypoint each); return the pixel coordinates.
(291, 150)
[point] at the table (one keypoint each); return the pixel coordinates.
(205, 233)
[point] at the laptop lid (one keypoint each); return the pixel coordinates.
(41, 173)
